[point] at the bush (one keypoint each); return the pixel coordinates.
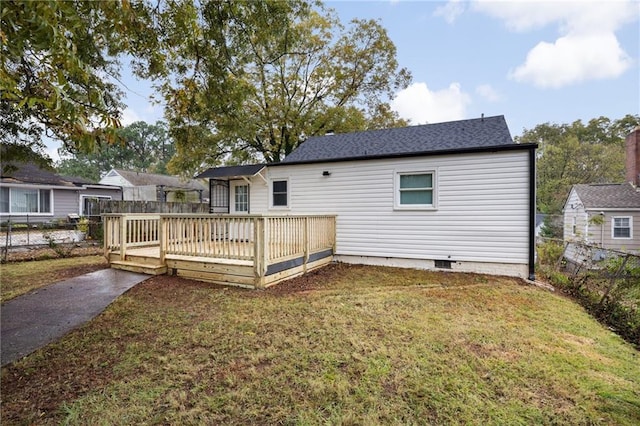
(549, 252)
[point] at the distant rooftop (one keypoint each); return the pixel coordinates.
(608, 195)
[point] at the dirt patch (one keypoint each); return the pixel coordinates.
(23, 254)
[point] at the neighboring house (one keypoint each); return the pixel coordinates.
(539, 223)
(31, 194)
(604, 215)
(137, 186)
(458, 195)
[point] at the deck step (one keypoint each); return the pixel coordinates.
(142, 268)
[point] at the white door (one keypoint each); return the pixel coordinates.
(239, 205)
(239, 192)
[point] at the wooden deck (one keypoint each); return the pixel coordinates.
(252, 252)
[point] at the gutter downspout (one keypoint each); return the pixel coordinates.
(532, 212)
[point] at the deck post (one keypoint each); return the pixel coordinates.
(162, 238)
(259, 251)
(123, 237)
(305, 243)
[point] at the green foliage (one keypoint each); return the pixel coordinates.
(83, 225)
(552, 227)
(58, 66)
(549, 252)
(60, 249)
(252, 80)
(143, 147)
(577, 153)
(345, 345)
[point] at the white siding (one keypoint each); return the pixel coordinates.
(574, 212)
(482, 206)
(115, 180)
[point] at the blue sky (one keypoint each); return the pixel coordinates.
(531, 61)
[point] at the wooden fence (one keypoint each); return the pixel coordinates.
(99, 207)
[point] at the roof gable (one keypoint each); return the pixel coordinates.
(460, 135)
(145, 179)
(607, 196)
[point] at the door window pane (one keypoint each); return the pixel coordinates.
(242, 198)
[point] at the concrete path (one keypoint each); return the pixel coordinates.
(31, 321)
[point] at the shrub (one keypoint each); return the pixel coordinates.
(550, 252)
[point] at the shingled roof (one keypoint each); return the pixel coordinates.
(230, 171)
(608, 196)
(144, 179)
(463, 135)
(31, 173)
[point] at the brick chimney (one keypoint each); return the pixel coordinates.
(632, 164)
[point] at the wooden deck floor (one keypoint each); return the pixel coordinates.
(216, 270)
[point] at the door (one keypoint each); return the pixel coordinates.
(239, 231)
(239, 198)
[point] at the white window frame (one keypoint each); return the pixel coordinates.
(574, 226)
(397, 190)
(613, 226)
(44, 214)
(271, 205)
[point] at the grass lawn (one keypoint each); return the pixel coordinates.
(22, 277)
(347, 345)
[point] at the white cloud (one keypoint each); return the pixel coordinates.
(129, 116)
(572, 15)
(421, 105)
(573, 59)
(450, 11)
(488, 93)
(587, 47)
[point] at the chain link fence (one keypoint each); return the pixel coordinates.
(606, 281)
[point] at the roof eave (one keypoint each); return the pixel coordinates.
(496, 148)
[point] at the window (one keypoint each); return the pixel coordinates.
(621, 227)
(4, 200)
(25, 200)
(242, 198)
(574, 226)
(280, 195)
(415, 190)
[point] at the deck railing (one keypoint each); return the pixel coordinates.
(261, 239)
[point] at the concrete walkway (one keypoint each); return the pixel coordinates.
(31, 321)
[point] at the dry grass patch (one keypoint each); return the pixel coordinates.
(22, 277)
(348, 344)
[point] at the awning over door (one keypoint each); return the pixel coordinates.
(231, 172)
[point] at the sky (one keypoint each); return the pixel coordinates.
(534, 62)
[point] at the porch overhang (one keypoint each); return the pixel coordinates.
(232, 172)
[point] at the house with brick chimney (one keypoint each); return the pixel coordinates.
(632, 164)
(608, 215)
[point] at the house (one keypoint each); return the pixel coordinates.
(456, 196)
(31, 194)
(603, 215)
(138, 186)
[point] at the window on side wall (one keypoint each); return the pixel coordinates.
(621, 227)
(280, 193)
(416, 190)
(25, 200)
